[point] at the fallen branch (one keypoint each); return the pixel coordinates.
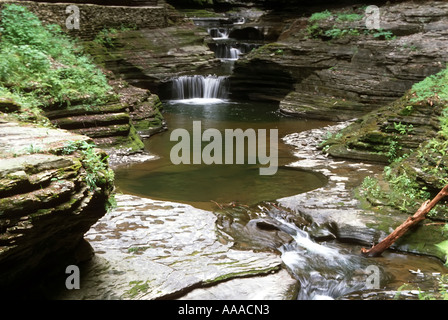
(420, 215)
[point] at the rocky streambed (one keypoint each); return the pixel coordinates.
(147, 249)
(150, 249)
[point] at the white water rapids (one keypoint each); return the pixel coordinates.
(325, 272)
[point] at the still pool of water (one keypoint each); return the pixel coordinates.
(201, 184)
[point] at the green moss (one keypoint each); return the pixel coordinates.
(138, 287)
(443, 246)
(241, 274)
(199, 13)
(138, 250)
(132, 141)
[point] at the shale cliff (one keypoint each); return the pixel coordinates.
(53, 186)
(329, 65)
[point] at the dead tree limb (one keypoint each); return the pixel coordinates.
(420, 215)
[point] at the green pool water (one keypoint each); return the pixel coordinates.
(202, 184)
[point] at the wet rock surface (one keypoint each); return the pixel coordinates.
(147, 249)
(335, 204)
(46, 204)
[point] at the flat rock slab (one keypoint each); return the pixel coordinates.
(147, 249)
(18, 139)
(253, 288)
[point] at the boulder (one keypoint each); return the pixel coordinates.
(48, 203)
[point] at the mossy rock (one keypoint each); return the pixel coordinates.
(96, 120)
(340, 151)
(322, 107)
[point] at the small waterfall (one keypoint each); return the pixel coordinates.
(231, 51)
(218, 33)
(226, 52)
(211, 88)
(324, 272)
(234, 53)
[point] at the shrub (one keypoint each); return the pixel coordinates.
(320, 16)
(349, 17)
(40, 62)
(97, 170)
(432, 89)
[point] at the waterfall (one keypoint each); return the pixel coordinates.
(325, 272)
(218, 33)
(225, 51)
(210, 88)
(234, 53)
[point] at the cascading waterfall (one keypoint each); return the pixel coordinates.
(225, 51)
(218, 33)
(197, 87)
(232, 50)
(325, 272)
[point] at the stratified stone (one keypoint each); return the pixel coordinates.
(153, 249)
(336, 203)
(46, 204)
(345, 77)
(147, 58)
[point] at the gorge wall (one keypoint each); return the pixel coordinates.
(53, 187)
(336, 69)
(314, 70)
(94, 17)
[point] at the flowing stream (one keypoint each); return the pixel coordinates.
(325, 270)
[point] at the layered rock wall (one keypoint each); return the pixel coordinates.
(147, 58)
(340, 70)
(47, 201)
(94, 18)
(121, 125)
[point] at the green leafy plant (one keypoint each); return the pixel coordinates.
(279, 52)
(42, 66)
(403, 129)
(317, 16)
(106, 37)
(351, 17)
(97, 170)
(370, 187)
(383, 34)
(432, 89)
(340, 28)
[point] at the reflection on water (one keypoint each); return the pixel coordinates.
(200, 184)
